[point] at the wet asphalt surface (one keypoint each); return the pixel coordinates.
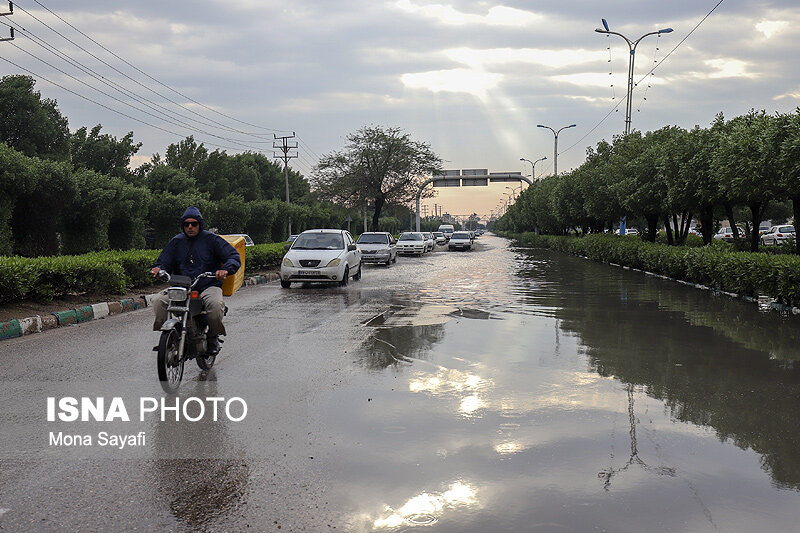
(496, 390)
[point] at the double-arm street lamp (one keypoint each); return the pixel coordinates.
(514, 191)
(533, 165)
(555, 144)
(632, 47)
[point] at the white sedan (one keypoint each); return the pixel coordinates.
(411, 242)
(777, 235)
(430, 241)
(460, 240)
(321, 255)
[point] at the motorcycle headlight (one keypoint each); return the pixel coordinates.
(177, 294)
(334, 262)
(287, 262)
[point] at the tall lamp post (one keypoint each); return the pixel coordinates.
(632, 57)
(514, 191)
(533, 165)
(555, 144)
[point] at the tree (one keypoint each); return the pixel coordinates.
(747, 160)
(641, 188)
(30, 124)
(789, 164)
(187, 155)
(102, 153)
(378, 165)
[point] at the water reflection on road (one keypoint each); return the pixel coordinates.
(528, 390)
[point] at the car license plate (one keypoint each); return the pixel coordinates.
(306, 272)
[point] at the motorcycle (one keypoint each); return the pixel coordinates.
(184, 335)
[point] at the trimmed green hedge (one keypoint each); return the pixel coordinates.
(747, 273)
(263, 256)
(45, 278)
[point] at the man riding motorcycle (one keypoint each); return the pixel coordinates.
(191, 253)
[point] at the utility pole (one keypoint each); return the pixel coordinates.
(285, 146)
(9, 12)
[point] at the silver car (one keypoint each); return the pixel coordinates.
(377, 247)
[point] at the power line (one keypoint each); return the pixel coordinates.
(128, 104)
(137, 69)
(647, 74)
(103, 105)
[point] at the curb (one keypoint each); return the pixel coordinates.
(38, 323)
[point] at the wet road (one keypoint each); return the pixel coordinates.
(497, 390)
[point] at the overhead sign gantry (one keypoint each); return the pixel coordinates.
(469, 177)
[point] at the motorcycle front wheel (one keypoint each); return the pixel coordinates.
(170, 366)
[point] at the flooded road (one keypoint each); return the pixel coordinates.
(503, 389)
(525, 390)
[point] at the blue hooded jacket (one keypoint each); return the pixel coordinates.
(191, 257)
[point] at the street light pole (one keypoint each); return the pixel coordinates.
(632, 57)
(555, 144)
(514, 191)
(533, 165)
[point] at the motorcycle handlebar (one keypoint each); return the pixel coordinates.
(164, 276)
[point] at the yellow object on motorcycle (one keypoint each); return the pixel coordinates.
(233, 282)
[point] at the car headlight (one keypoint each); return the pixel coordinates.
(287, 262)
(334, 262)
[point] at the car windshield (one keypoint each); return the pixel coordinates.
(460, 236)
(786, 229)
(319, 241)
(438, 234)
(410, 237)
(372, 239)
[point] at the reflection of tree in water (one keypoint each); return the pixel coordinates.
(194, 468)
(634, 459)
(391, 347)
(685, 348)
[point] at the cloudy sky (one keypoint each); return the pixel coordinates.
(472, 78)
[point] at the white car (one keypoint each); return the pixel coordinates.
(777, 235)
(460, 241)
(440, 238)
(247, 240)
(377, 247)
(321, 255)
(430, 241)
(411, 242)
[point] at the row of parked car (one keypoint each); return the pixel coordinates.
(332, 255)
(772, 236)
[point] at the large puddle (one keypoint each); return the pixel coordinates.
(539, 392)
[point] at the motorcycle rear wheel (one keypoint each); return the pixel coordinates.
(169, 375)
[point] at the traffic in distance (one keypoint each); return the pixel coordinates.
(333, 256)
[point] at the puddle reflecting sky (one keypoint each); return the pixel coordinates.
(540, 392)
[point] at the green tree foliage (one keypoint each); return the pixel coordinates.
(377, 166)
(668, 177)
(102, 153)
(229, 215)
(37, 215)
(165, 210)
(86, 219)
(789, 163)
(29, 123)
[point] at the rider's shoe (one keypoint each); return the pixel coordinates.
(213, 347)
